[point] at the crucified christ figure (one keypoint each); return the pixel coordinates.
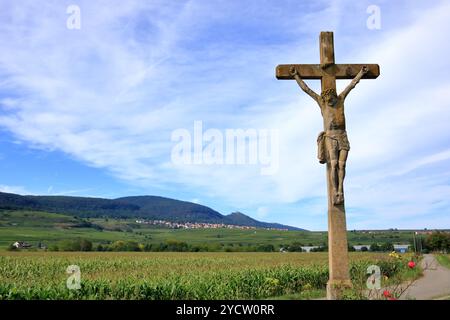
(333, 143)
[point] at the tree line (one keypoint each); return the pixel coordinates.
(436, 241)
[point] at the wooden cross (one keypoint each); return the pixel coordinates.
(327, 71)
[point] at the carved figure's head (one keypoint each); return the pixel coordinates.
(330, 97)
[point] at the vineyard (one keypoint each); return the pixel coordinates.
(163, 276)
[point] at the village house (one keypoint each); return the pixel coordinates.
(200, 225)
(21, 245)
(309, 248)
(401, 248)
(360, 247)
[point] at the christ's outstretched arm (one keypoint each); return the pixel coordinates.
(354, 82)
(303, 85)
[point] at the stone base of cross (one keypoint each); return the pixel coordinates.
(333, 146)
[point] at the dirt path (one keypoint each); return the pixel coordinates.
(434, 283)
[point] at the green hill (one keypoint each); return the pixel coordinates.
(144, 207)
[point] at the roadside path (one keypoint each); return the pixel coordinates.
(434, 283)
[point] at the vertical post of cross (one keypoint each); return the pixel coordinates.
(339, 278)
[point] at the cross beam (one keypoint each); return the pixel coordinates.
(315, 71)
(327, 67)
(327, 71)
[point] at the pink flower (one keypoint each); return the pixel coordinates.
(411, 264)
(392, 298)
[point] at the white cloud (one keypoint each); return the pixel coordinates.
(262, 212)
(14, 189)
(111, 93)
(427, 160)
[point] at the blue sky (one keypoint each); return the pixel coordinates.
(90, 111)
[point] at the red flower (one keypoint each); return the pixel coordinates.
(386, 294)
(411, 264)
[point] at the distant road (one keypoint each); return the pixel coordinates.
(434, 283)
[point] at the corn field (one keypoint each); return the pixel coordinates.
(164, 276)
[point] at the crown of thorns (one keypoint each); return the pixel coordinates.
(329, 92)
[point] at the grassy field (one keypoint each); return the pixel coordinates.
(444, 260)
(106, 275)
(50, 228)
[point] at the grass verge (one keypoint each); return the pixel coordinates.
(444, 260)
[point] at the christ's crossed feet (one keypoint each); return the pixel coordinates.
(338, 198)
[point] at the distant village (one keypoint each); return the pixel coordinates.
(200, 225)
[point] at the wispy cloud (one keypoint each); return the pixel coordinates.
(110, 94)
(14, 189)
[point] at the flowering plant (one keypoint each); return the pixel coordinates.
(389, 278)
(404, 279)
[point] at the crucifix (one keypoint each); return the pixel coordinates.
(333, 145)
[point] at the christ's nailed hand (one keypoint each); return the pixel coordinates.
(293, 71)
(365, 69)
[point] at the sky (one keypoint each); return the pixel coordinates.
(92, 97)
